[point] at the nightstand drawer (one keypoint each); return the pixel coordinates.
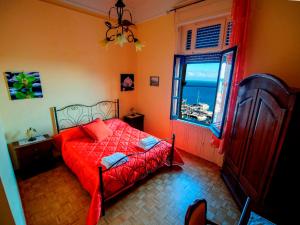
(38, 154)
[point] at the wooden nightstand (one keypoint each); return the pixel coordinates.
(136, 121)
(32, 158)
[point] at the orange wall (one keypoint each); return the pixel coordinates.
(63, 45)
(156, 59)
(274, 39)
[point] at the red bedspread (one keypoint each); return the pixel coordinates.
(83, 156)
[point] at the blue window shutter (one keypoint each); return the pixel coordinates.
(188, 43)
(223, 91)
(176, 86)
(203, 58)
(228, 33)
(208, 37)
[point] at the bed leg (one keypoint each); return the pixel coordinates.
(101, 191)
(172, 150)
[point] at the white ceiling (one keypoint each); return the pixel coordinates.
(141, 10)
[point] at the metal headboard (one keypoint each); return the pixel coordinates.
(78, 114)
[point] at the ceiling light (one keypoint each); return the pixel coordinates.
(120, 32)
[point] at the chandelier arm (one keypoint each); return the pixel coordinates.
(113, 37)
(127, 10)
(110, 37)
(109, 12)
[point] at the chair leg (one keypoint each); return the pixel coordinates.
(243, 219)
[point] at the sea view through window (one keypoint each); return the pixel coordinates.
(199, 92)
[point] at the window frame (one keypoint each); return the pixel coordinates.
(179, 90)
(213, 128)
(181, 79)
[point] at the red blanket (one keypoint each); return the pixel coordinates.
(83, 156)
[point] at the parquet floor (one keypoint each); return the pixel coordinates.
(56, 197)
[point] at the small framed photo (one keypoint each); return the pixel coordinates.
(127, 82)
(154, 80)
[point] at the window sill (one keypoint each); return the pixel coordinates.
(193, 123)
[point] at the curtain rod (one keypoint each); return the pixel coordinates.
(183, 6)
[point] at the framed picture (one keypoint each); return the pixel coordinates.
(154, 80)
(23, 85)
(127, 82)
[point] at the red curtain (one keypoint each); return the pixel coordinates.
(240, 20)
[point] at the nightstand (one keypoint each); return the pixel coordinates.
(136, 121)
(32, 157)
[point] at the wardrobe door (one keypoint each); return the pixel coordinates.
(240, 128)
(262, 141)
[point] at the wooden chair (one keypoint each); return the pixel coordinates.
(196, 213)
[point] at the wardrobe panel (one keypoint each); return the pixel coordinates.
(240, 129)
(265, 129)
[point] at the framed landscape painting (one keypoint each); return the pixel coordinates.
(127, 82)
(23, 85)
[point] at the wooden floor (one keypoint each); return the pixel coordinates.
(56, 197)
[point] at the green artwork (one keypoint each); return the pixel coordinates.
(23, 85)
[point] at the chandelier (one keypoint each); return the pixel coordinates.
(120, 32)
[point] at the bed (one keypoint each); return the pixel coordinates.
(83, 155)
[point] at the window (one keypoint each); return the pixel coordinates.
(201, 85)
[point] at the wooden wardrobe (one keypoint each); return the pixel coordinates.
(261, 153)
